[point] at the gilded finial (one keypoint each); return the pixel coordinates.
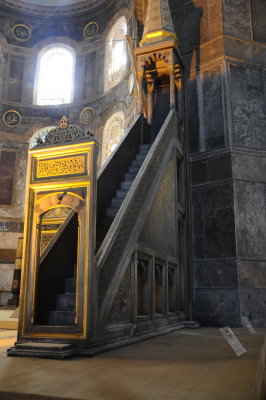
(63, 122)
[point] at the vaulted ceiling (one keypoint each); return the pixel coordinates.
(52, 6)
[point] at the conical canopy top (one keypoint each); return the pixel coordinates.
(158, 23)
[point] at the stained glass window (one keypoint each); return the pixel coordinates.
(54, 78)
(116, 53)
(113, 133)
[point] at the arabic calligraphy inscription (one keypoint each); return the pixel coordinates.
(12, 118)
(86, 115)
(21, 32)
(63, 166)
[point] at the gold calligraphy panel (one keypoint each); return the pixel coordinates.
(61, 166)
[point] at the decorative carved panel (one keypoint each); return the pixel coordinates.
(122, 307)
(248, 104)
(60, 166)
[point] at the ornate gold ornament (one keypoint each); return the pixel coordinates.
(63, 122)
(12, 118)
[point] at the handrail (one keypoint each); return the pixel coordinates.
(114, 251)
(112, 172)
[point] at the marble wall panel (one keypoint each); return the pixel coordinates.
(258, 12)
(15, 82)
(16, 211)
(248, 102)
(252, 273)
(7, 173)
(9, 240)
(236, 16)
(213, 115)
(213, 221)
(4, 297)
(249, 167)
(29, 80)
(6, 277)
(211, 170)
(79, 77)
(251, 52)
(90, 79)
(217, 307)
(250, 217)
(3, 73)
(253, 305)
(215, 274)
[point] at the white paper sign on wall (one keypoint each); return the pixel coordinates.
(233, 341)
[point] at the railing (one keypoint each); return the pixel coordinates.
(118, 245)
(112, 172)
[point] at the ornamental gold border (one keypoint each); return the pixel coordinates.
(11, 126)
(15, 37)
(85, 109)
(86, 26)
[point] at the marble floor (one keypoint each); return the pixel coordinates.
(183, 365)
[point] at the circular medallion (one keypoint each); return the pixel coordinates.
(21, 32)
(12, 118)
(131, 83)
(86, 115)
(90, 30)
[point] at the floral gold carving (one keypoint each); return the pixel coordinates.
(62, 166)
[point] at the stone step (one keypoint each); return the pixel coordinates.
(65, 302)
(130, 176)
(126, 185)
(70, 285)
(121, 194)
(112, 211)
(140, 157)
(144, 148)
(116, 202)
(133, 169)
(137, 163)
(61, 318)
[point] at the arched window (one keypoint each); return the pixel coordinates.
(55, 75)
(112, 134)
(116, 53)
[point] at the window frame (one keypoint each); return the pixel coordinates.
(38, 66)
(122, 70)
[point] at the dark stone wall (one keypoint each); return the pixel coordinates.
(212, 101)
(258, 12)
(237, 19)
(226, 100)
